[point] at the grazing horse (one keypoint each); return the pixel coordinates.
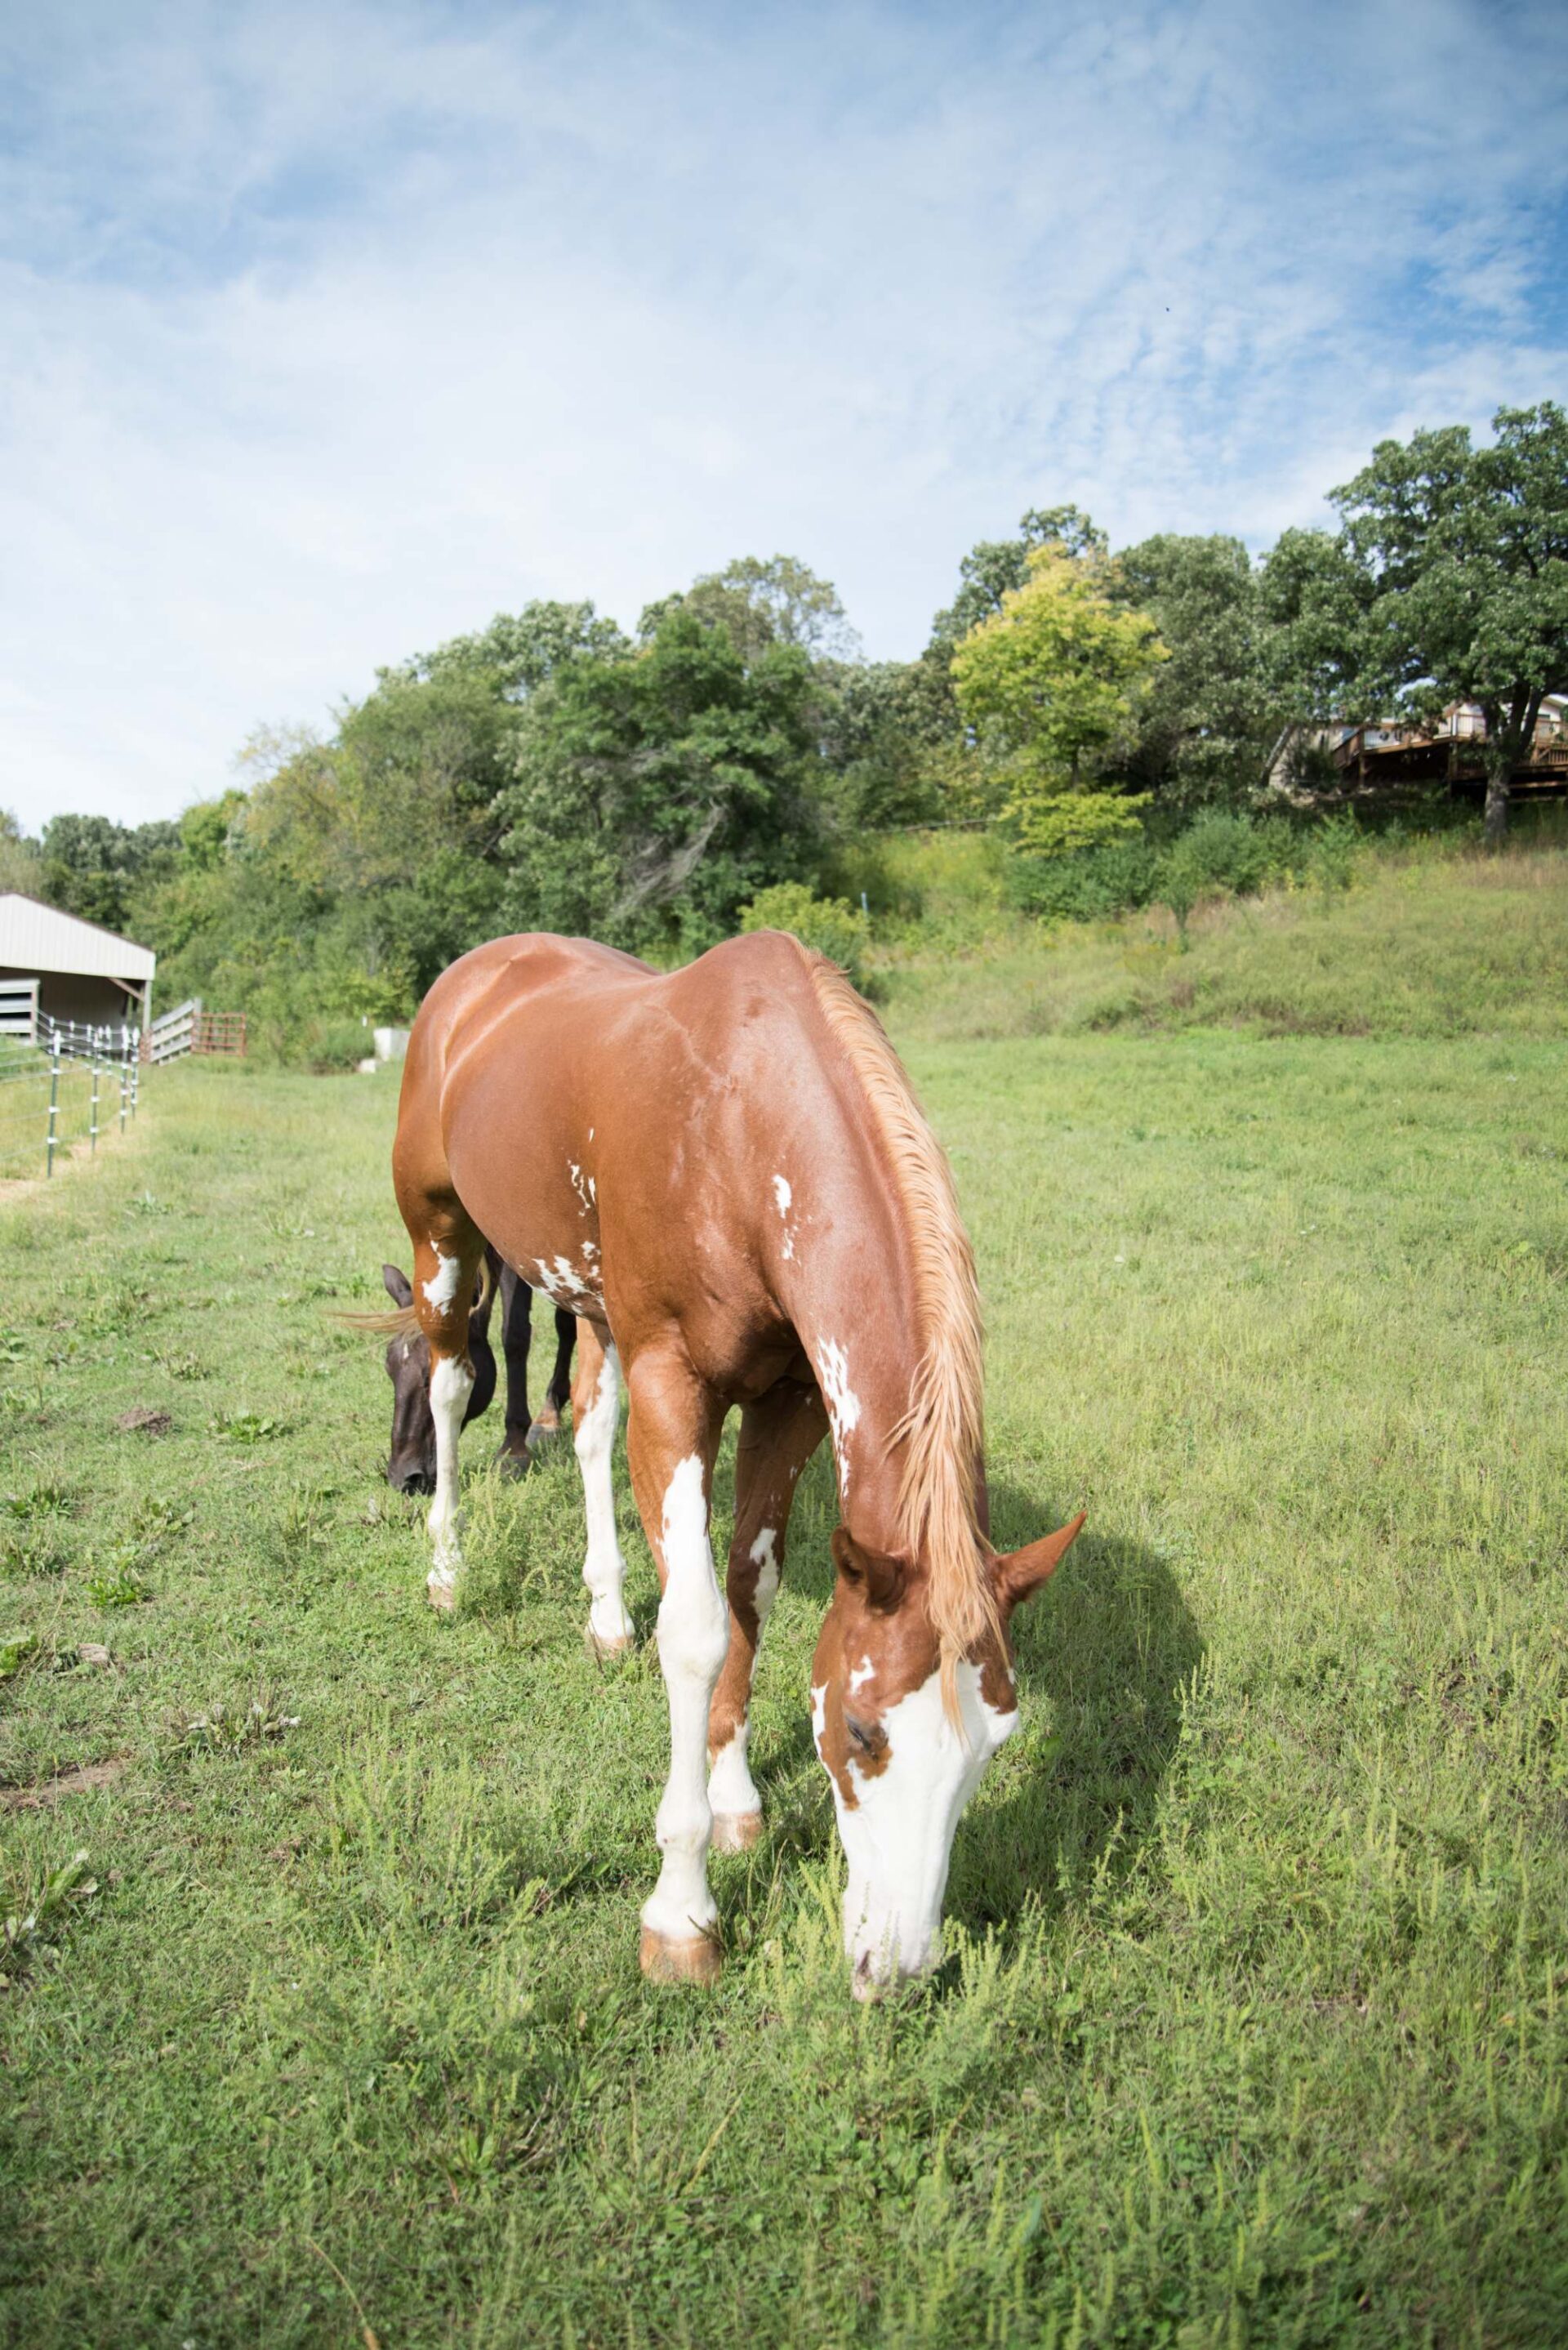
(411, 1462)
(724, 1173)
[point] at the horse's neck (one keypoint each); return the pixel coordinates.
(852, 1306)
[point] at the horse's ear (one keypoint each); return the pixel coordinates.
(882, 1579)
(398, 1285)
(1020, 1574)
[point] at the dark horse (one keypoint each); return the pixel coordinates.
(411, 1463)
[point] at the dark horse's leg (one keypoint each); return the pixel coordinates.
(525, 1435)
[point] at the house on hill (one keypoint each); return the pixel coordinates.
(1394, 750)
(68, 970)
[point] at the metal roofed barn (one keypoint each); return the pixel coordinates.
(82, 973)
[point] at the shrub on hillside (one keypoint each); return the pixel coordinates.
(1089, 887)
(838, 930)
(339, 1044)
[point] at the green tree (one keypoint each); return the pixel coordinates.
(778, 600)
(519, 650)
(1051, 681)
(20, 867)
(94, 866)
(1205, 722)
(654, 797)
(1448, 582)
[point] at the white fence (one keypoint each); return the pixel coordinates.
(61, 1097)
(174, 1032)
(191, 1028)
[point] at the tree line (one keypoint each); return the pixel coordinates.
(553, 771)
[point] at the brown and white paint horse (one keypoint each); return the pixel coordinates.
(722, 1171)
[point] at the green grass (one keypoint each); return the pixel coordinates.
(1252, 2029)
(1426, 943)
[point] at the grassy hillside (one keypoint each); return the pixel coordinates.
(1254, 2027)
(1427, 942)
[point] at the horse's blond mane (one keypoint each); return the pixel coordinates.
(944, 1426)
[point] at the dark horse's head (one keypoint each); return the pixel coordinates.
(411, 1464)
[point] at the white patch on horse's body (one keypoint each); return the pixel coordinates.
(784, 1196)
(452, 1384)
(842, 1404)
(603, 1568)
(693, 1634)
(564, 1285)
(764, 1558)
(441, 1289)
(897, 1835)
(861, 1675)
(582, 1186)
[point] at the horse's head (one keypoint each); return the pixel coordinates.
(904, 1757)
(411, 1463)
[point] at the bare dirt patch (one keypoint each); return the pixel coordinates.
(142, 1422)
(78, 1779)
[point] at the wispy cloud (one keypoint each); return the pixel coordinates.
(329, 330)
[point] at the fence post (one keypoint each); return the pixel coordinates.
(54, 1107)
(92, 1128)
(124, 1069)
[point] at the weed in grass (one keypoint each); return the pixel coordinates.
(29, 1550)
(181, 1365)
(231, 1729)
(23, 1649)
(117, 1581)
(37, 1905)
(247, 1426)
(44, 1499)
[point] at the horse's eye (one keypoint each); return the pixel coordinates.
(869, 1736)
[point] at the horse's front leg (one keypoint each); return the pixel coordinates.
(779, 1433)
(446, 1262)
(596, 1412)
(548, 1423)
(672, 1439)
(516, 1334)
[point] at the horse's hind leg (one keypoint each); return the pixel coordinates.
(447, 1252)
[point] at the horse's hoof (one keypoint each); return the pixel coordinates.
(736, 1831)
(541, 1435)
(602, 1650)
(697, 1960)
(513, 1465)
(442, 1593)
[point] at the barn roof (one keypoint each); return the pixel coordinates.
(38, 938)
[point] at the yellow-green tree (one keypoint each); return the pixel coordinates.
(1047, 683)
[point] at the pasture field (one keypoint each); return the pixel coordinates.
(1253, 2026)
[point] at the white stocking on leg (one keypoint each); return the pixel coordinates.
(596, 1407)
(452, 1384)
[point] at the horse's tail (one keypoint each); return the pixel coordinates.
(403, 1321)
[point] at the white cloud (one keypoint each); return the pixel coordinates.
(329, 332)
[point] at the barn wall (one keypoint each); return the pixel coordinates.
(75, 995)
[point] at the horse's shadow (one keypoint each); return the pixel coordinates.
(1104, 1653)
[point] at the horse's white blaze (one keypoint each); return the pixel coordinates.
(693, 1634)
(603, 1568)
(897, 1835)
(842, 1404)
(764, 1558)
(442, 1286)
(452, 1384)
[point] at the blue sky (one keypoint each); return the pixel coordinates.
(328, 330)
